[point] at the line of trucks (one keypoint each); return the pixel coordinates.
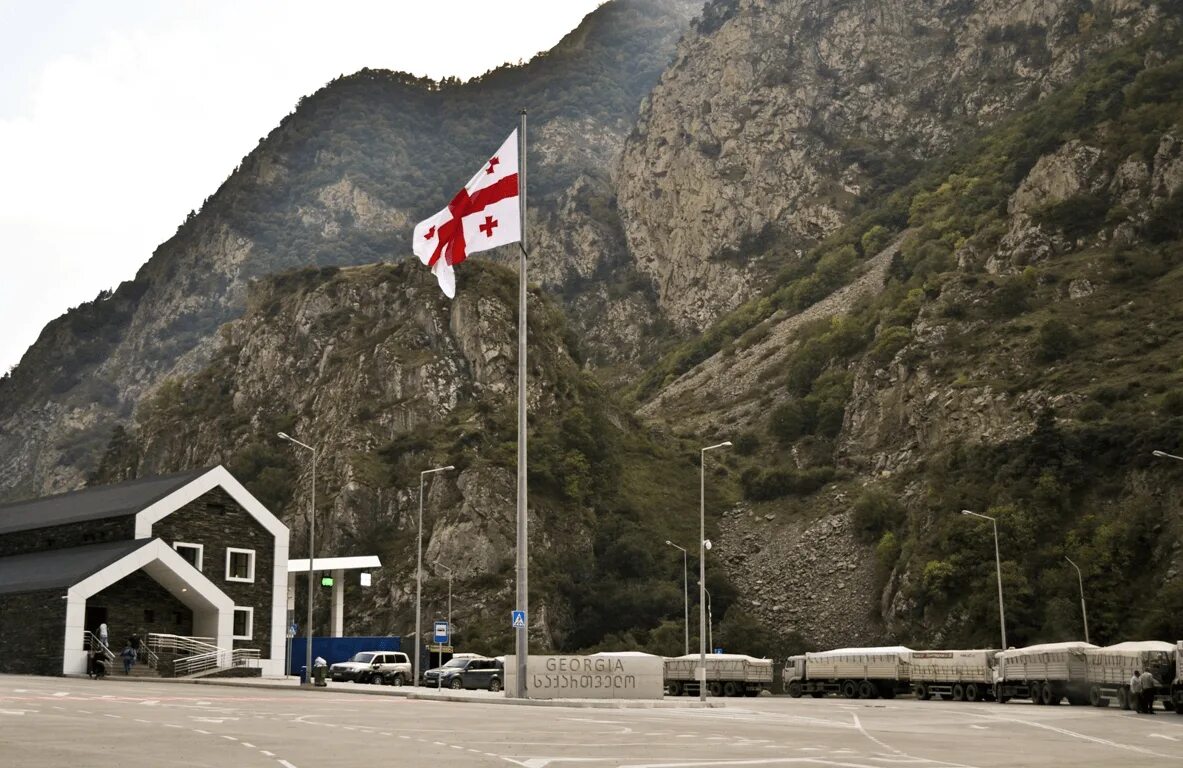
(1079, 673)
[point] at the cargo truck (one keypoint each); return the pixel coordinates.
(1110, 669)
(728, 674)
(1177, 686)
(958, 675)
(1046, 674)
(864, 673)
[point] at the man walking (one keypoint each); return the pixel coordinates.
(103, 633)
(1135, 697)
(1149, 684)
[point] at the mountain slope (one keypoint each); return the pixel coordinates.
(339, 182)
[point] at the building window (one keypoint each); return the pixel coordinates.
(244, 623)
(240, 564)
(191, 553)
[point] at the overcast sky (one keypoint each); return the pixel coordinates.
(118, 117)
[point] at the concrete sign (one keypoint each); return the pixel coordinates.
(600, 676)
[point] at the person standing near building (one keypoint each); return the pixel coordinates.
(1135, 697)
(1149, 684)
(103, 633)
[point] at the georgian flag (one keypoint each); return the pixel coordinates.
(484, 215)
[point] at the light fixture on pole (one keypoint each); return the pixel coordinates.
(311, 556)
(998, 564)
(419, 569)
(1165, 455)
(685, 597)
(1083, 611)
(710, 622)
(702, 574)
(439, 680)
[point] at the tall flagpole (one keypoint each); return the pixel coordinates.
(522, 638)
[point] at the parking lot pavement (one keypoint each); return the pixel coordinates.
(55, 722)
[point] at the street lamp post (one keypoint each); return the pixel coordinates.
(702, 577)
(419, 569)
(998, 565)
(1165, 455)
(439, 681)
(685, 597)
(1083, 611)
(311, 556)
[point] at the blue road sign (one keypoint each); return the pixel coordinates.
(440, 635)
(519, 619)
(718, 650)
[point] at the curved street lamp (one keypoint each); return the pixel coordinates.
(702, 558)
(998, 564)
(419, 569)
(1083, 611)
(685, 597)
(311, 555)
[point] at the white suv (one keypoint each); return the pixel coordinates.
(379, 667)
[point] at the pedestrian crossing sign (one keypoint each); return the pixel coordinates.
(519, 619)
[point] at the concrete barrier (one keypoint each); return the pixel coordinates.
(600, 676)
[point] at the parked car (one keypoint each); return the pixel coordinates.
(385, 667)
(467, 672)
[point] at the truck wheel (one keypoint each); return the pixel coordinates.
(866, 690)
(920, 691)
(673, 688)
(1049, 695)
(971, 692)
(731, 689)
(795, 689)
(715, 688)
(849, 689)
(1123, 698)
(1035, 691)
(1095, 697)
(958, 692)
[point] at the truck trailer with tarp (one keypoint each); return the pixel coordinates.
(1109, 670)
(728, 674)
(863, 673)
(1045, 674)
(960, 675)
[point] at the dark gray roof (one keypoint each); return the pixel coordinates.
(61, 567)
(91, 503)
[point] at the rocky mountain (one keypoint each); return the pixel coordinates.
(339, 182)
(909, 259)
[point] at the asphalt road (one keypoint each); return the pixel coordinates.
(54, 722)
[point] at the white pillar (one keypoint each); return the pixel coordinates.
(338, 603)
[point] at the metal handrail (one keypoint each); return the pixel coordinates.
(96, 642)
(181, 643)
(216, 660)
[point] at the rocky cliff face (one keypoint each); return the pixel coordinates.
(786, 116)
(340, 182)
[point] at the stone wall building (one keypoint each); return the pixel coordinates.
(193, 554)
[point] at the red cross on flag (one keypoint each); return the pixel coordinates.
(481, 216)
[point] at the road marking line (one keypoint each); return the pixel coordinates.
(57, 707)
(248, 745)
(173, 725)
(980, 727)
(286, 764)
(62, 693)
(198, 730)
(1163, 736)
(265, 752)
(230, 738)
(146, 722)
(116, 717)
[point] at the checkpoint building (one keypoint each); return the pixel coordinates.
(183, 556)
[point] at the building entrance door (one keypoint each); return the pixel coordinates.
(95, 615)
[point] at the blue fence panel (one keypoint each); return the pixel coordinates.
(335, 649)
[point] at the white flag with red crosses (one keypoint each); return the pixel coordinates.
(483, 215)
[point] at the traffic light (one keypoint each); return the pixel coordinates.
(326, 581)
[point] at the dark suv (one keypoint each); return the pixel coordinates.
(468, 672)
